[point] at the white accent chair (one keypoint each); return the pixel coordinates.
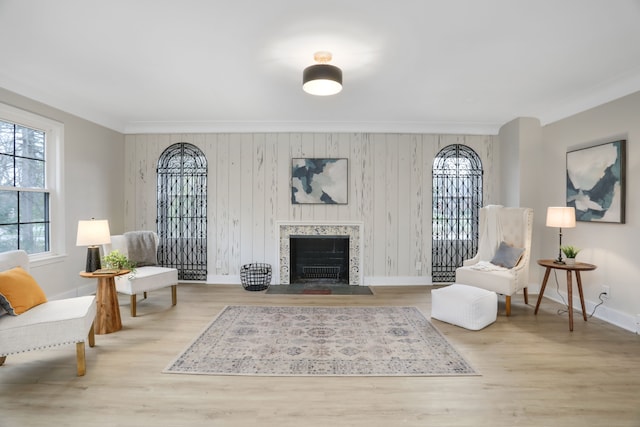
(145, 278)
(53, 323)
(500, 224)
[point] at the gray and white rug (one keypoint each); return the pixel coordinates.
(321, 341)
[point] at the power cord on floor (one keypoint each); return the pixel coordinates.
(564, 311)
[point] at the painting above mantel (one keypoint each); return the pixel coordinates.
(319, 181)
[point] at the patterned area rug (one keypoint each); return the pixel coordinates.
(323, 341)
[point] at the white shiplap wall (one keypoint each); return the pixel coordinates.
(249, 190)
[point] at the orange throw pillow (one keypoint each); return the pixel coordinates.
(19, 291)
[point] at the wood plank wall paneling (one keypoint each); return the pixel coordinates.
(211, 148)
(377, 268)
(221, 205)
(249, 190)
(248, 210)
(391, 192)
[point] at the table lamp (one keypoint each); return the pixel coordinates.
(561, 217)
(93, 233)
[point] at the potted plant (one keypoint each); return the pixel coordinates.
(118, 261)
(570, 252)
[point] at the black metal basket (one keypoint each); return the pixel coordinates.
(255, 276)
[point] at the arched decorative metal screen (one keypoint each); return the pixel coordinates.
(182, 210)
(457, 199)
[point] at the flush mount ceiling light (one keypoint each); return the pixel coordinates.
(322, 79)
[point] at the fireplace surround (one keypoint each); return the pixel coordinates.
(287, 229)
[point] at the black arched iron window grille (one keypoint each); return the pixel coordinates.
(457, 199)
(182, 210)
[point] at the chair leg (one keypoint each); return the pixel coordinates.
(2, 359)
(174, 294)
(133, 305)
(92, 336)
(526, 295)
(508, 304)
(82, 367)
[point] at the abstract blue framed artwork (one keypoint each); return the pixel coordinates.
(596, 182)
(319, 181)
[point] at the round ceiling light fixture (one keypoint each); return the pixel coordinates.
(322, 79)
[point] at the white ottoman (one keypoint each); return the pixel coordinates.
(465, 306)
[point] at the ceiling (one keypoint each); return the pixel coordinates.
(448, 66)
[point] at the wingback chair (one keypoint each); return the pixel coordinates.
(501, 264)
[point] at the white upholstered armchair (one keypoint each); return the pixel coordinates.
(141, 247)
(501, 264)
(47, 324)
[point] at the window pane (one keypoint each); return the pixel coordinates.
(29, 173)
(29, 143)
(33, 207)
(6, 137)
(6, 170)
(33, 237)
(8, 207)
(24, 215)
(8, 238)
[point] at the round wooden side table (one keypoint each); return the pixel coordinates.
(107, 306)
(576, 268)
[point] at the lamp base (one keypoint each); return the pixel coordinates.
(93, 259)
(559, 261)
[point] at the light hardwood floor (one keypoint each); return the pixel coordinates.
(534, 372)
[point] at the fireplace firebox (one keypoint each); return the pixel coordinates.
(319, 259)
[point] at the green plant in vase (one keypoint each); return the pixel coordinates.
(117, 260)
(570, 252)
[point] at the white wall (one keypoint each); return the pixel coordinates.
(521, 167)
(249, 190)
(390, 190)
(509, 170)
(612, 247)
(93, 182)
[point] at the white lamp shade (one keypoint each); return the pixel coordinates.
(322, 87)
(563, 217)
(93, 232)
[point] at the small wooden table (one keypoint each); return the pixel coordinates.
(107, 306)
(576, 268)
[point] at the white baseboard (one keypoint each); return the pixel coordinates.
(609, 315)
(368, 281)
(223, 279)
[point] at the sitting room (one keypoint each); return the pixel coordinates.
(442, 237)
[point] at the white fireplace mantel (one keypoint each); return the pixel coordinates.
(286, 229)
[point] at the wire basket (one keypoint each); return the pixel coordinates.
(255, 276)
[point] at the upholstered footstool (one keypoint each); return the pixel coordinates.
(465, 306)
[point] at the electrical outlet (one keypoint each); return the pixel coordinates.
(218, 264)
(605, 290)
(418, 266)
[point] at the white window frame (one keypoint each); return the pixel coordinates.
(54, 179)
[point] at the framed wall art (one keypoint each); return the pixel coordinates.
(596, 182)
(319, 181)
